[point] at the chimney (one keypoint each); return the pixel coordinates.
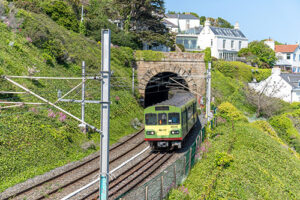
(276, 71)
(207, 23)
(237, 26)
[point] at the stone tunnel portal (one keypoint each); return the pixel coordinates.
(161, 86)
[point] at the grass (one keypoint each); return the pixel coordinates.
(262, 168)
(32, 140)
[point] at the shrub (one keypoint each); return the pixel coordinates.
(241, 71)
(227, 111)
(149, 55)
(223, 159)
(265, 127)
(286, 129)
(181, 47)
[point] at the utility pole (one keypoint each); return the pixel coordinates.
(208, 91)
(83, 126)
(105, 109)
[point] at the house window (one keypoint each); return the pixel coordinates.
(288, 56)
(294, 56)
(298, 83)
(232, 44)
(240, 44)
(298, 70)
(211, 42)
(224, 44)
(299, 57)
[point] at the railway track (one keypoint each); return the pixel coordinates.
(65, 181)
(131, 177)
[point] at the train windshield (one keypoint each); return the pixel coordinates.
(162, 119)
(174, 118)
(151, 119)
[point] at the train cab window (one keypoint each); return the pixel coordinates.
(174, 118)
(151, 119)
(162, 119)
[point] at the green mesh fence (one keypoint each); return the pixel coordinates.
(172, 176)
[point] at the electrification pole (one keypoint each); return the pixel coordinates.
(208, 91)
(83, 97)
(105, 109)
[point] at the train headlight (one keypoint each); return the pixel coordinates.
(150, 132)
(175, 132)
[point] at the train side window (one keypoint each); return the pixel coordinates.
(174, 118)
(151, 119)
(190, 112)
(162, 119)
(183, 116)
(195, 108)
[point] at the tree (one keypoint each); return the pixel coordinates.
(260, 54)
(262, 95)
(202, 20)
(144, 18)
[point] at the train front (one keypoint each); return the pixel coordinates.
(162, 126)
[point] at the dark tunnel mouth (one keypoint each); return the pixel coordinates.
(160, 87)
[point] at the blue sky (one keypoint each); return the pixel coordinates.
(259, 19)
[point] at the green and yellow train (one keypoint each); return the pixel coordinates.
(169, 122)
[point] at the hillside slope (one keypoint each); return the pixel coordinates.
(246, 163)
(36, 139)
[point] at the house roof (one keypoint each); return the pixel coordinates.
(227, 32)
(285, 48)
(292, 79)
(181, 16)
(170, 24)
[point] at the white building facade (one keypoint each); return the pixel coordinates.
(288, 56)
(225, 43)
(285, 86)
(182, 22)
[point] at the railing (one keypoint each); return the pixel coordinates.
(173, 175)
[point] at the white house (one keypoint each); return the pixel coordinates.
(288, 56)
(225, 43)
(285, 86)
(181, 22)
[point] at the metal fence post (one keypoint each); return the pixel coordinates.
(146, 193)
(132, 80)
(175, 184)
(162, 187)
(105, 112)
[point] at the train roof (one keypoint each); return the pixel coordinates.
(179, 99)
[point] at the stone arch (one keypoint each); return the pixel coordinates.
(151, 72)
(165, 72)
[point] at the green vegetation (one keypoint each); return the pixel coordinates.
(149, 55)
(247, 163)
(241, 71)
(286, 126)
(259, 54)
(36, 139)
